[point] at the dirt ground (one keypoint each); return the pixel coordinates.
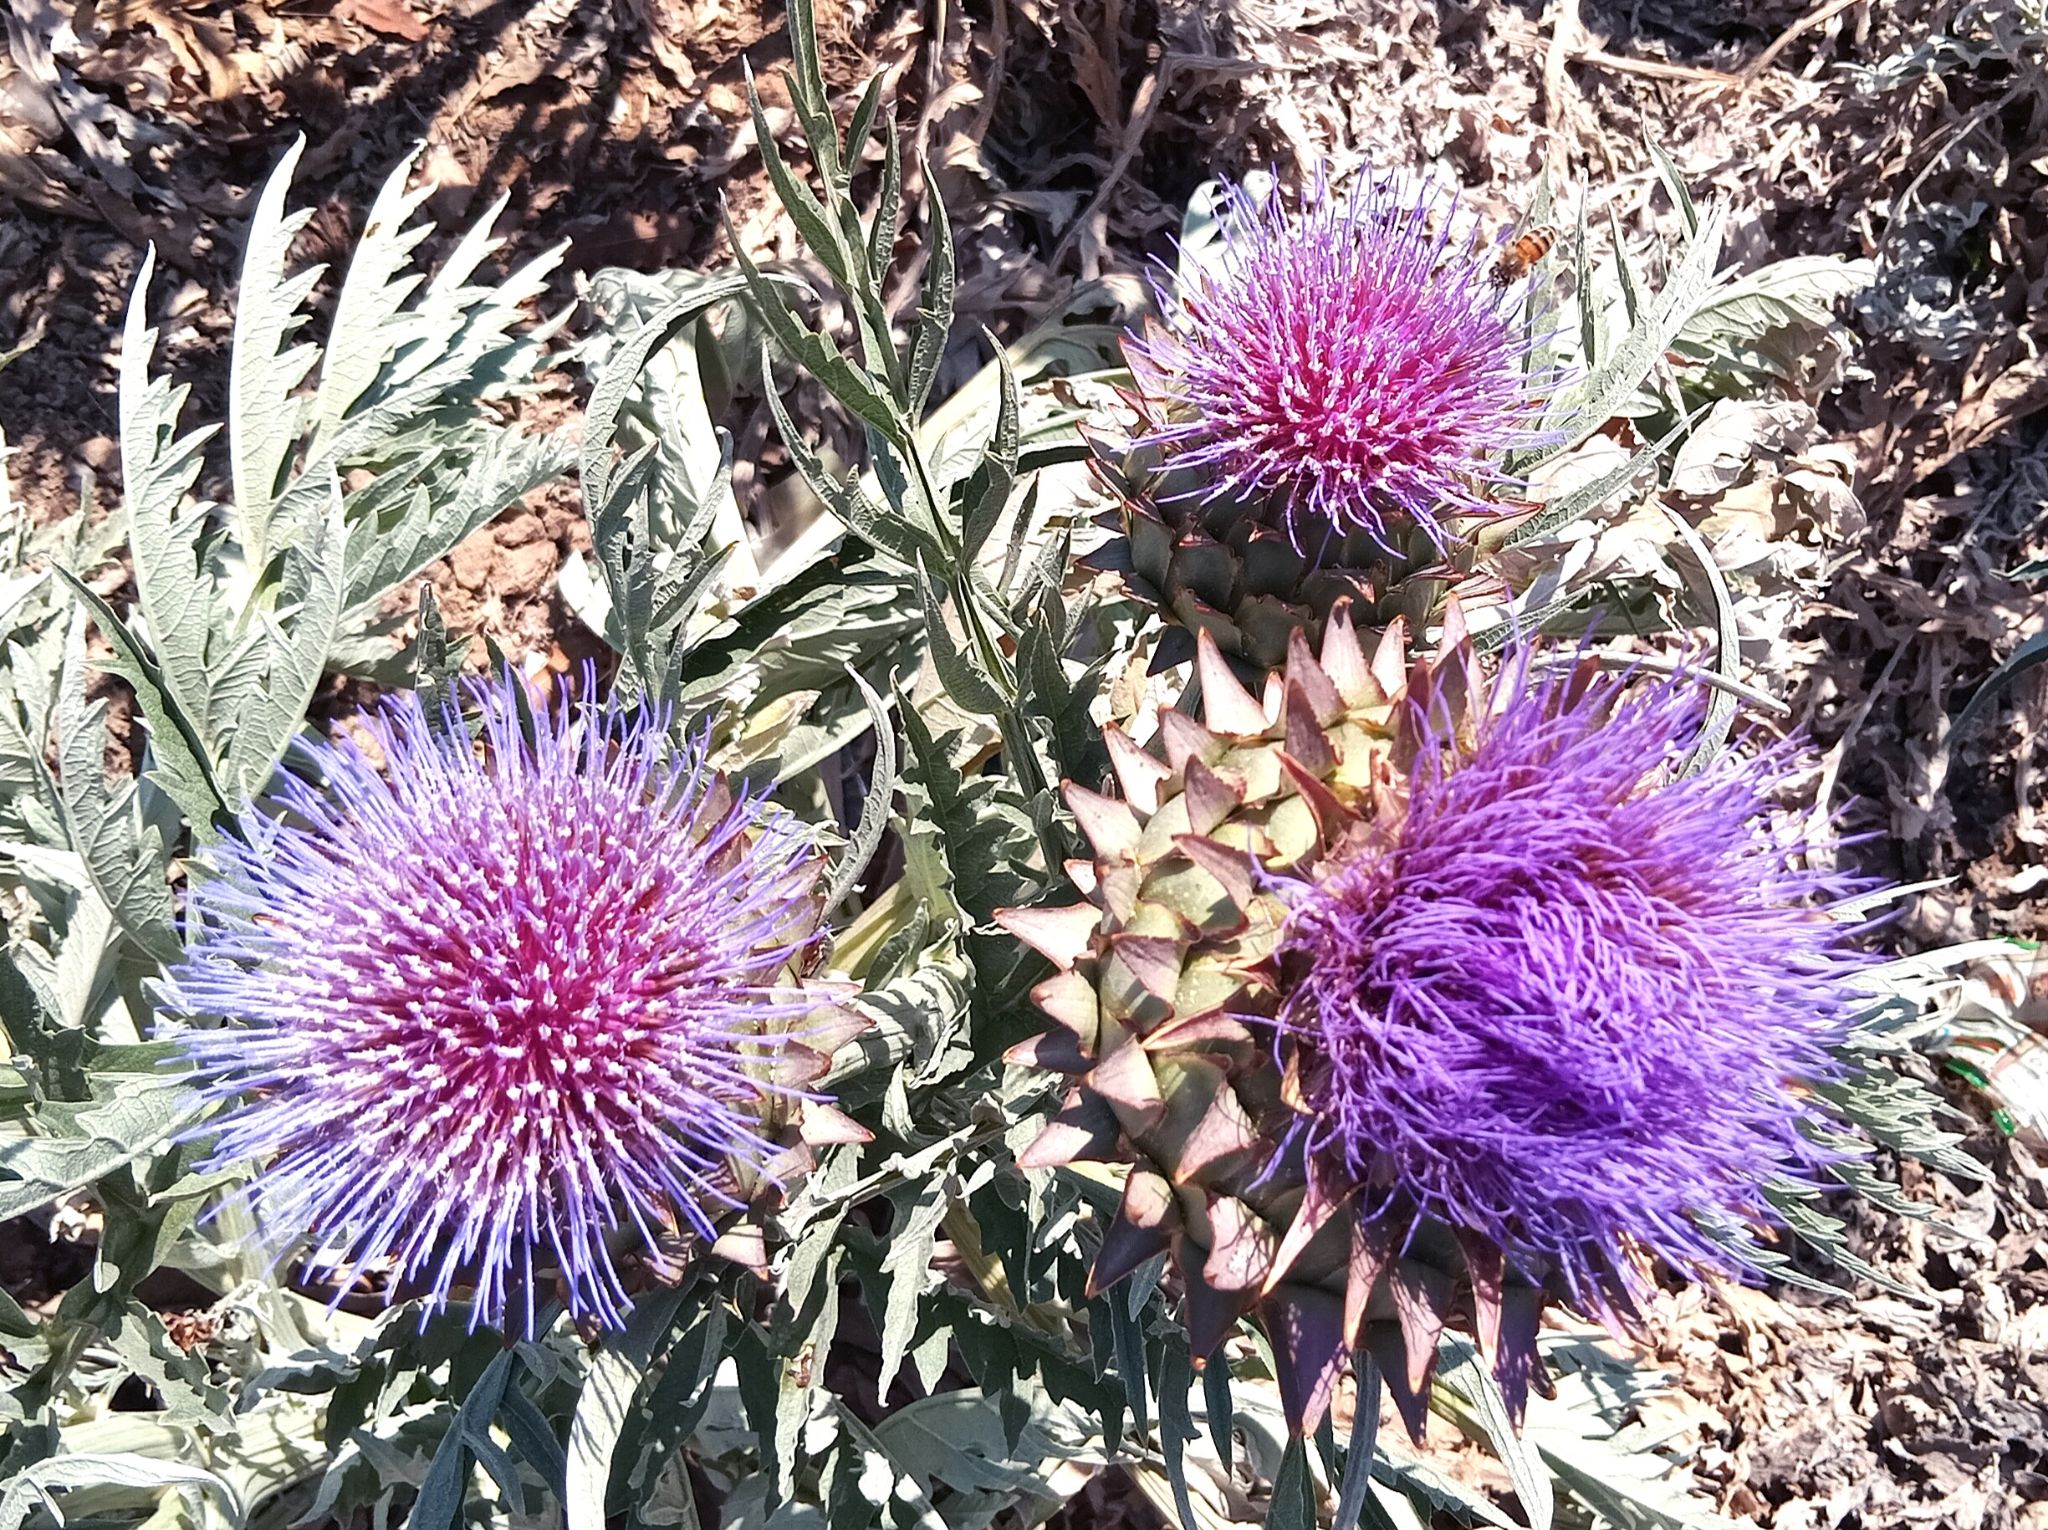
(1066, 134)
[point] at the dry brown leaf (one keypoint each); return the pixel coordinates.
(203, 47)
(393, 18)
(2015, 393)
(1093, 55)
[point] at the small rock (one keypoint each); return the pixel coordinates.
(471, 562)
(561, 515)
(525, 570)
(518, 528)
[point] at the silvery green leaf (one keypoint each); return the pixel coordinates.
(1799, 293)
(1587, 497)
(1799, 1208)
(956, 1440)
(930, 1356)
(1596, 397)
(966, 681)
(1060, 702)
(1127, 1339)
(1470, 1379)
(906, 1269)
(138, 1338)
(1592, 317)
(893, 948)
(807, 90)
(1615, 1469)
(800, 1369)
(310, 595)
(174, 568)
(439, 1504)
(135, 1115)
(1902, 1114)
(264, 370)
(874, 810)
(1355, 1492)
(1293, 1505)
(668, 405)
(814, 225)
(831, 228)
(1401, 1468)
(899, 536)
(29, 795)
(183, 763)
(672, 1412)
(804, 637)
(28, 1007)
(83, 973)
(1203, 235)
(497, 468)
(33, 1487)
(449, 295)
(125, 848)
(239, 674)
(1217, 1408)
(851, 385)
(1383, 1508)
(14, 1323)
(934, 322)
(1674, 183)
(1720, 718)
(1624, 272)
(862, 123)
(1177, 1427)
(971, 837)
(367, 328)
(2028, 656)
(996, 474)
(917, 1016)
(888, 224)
(384, 499)
(916, 1511)
(387, 423)
(681, 589)
(622, 373)
(463, 332)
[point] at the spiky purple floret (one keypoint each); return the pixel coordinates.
(1571, 1003)
(1357, 369)
(484, 1011)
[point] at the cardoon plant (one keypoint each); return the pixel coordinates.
(1408, 1005)
(1325, 410)
(495, 1010)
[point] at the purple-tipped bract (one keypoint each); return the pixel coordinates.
(1571, 1002)
(487, 1010)
(1349, 368)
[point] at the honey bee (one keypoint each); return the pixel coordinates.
(1522, 253)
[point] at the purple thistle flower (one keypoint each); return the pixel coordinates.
(1572, 1003)
(487, 1012)
(1350, 367)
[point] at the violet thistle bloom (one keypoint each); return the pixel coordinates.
(1351, 368)
(1569, 1003)
(485, 1014)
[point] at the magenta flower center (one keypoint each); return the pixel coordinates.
(484, 1016)
(1348, 371)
